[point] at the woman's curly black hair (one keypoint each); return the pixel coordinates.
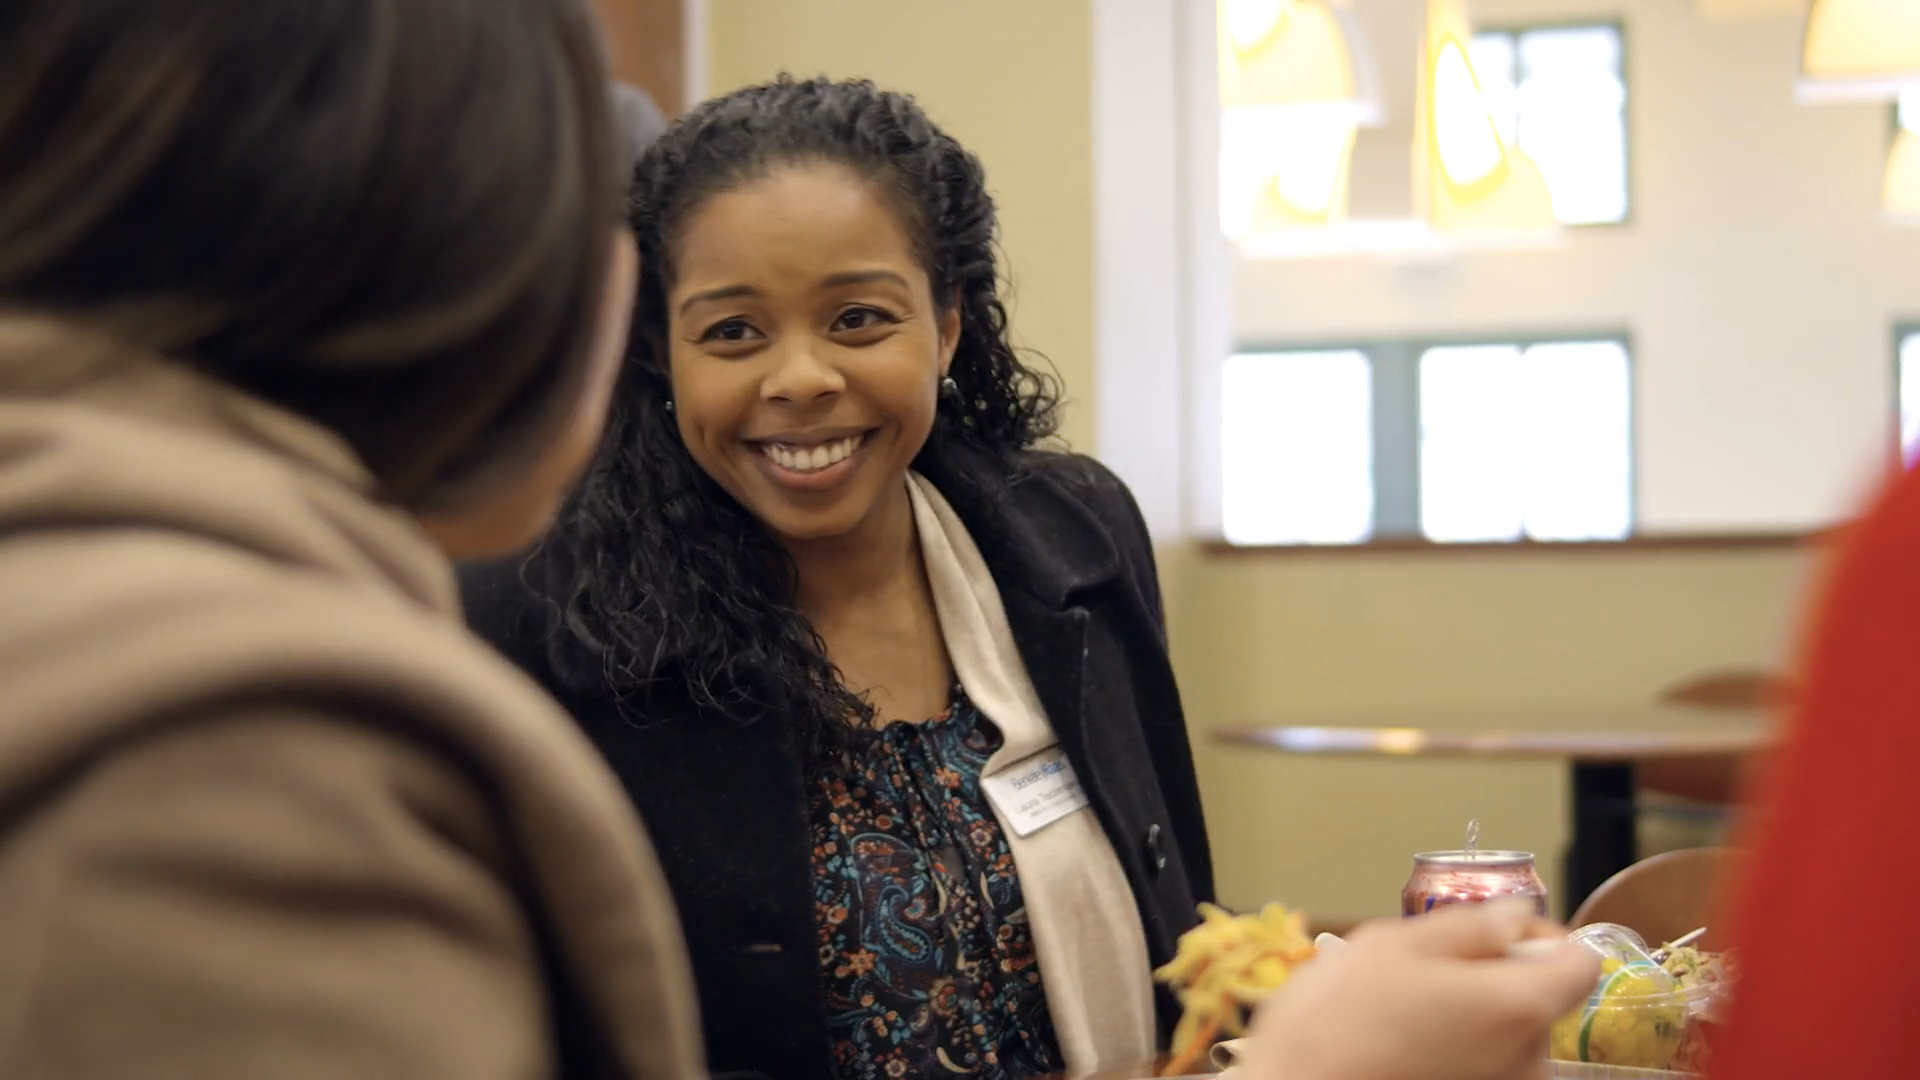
(668, 591)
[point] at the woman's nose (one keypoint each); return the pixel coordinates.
(800, 377)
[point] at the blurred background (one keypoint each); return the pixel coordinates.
(1506, 358)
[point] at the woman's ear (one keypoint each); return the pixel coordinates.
(949, 333)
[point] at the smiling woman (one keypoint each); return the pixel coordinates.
(805, 354)
(888, 682)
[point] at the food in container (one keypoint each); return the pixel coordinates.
(1441, 878)
(1642, 1014)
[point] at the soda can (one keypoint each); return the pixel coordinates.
(1470, 877)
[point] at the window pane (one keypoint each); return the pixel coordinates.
(1534, 443)
(1910, 397)
(1298, 431)
(1572, 120)
(1471, 485)
(1579, 441)
(1908, 111)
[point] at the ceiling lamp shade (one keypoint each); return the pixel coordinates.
(1295, 82)
(1295, 53)
(1859, 50)
(1466, 179)
(1283, 168)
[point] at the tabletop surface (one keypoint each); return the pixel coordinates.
(1604, 733)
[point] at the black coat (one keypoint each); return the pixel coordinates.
(726, 804)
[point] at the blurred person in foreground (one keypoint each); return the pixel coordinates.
(278, 283)
(1824, 916)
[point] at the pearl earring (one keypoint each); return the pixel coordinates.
(949, 388)
(669, 405)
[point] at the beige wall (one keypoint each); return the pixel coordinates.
(1008, 78)
(1257, 636)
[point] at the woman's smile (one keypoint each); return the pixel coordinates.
(811, 463)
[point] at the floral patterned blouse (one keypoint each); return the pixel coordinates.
(925, 956)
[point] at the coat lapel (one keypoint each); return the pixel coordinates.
(1047, 552)
(1053, 644)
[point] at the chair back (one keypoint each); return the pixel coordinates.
(1665, 896)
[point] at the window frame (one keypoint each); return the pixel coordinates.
(1902, 330)
(1394, 367)
(1619, 26)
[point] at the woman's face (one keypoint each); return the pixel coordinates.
(806, 349)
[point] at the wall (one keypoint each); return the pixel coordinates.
(1008, 78)
(1263, 636)
(646, 47)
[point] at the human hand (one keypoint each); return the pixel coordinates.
(1439, 997)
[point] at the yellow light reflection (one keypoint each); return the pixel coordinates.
(1284, 52)
(1466, 180)
(1400, 740)
(1284, 167)
(1464, 136)
(1249, 23)
(1860, 48)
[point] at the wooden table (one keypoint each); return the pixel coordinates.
(1601, 745)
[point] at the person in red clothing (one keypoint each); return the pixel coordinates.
(1824, 916)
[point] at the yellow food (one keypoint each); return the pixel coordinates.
(1224, 967)
(1634, 1020)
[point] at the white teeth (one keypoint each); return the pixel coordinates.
(804, 459)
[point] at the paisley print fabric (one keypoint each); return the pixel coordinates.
(924, 950)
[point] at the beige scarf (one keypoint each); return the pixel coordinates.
(1086, 927)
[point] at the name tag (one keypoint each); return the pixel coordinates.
(1036, 792)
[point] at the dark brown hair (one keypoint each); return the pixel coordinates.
(392, 216)
(669, 591)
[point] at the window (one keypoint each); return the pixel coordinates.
(1908, 379)
(1455, 443)
(1299, 446)
(1560, 95)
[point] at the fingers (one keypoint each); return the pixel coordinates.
(1562, 974)
(1467, 931)
(1530, 991)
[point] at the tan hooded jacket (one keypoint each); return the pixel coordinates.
(266, 809)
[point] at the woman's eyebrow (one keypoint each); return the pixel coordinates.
(724, 292)
(862, 277)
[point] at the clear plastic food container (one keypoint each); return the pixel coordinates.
(1639, 1017)
(1574, 1070)
(1639, 1031)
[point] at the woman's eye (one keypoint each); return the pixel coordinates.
(730, 330)
(861, 318)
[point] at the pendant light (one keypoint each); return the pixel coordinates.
(1466, 179)
(1296, 81)
(1859, 50)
